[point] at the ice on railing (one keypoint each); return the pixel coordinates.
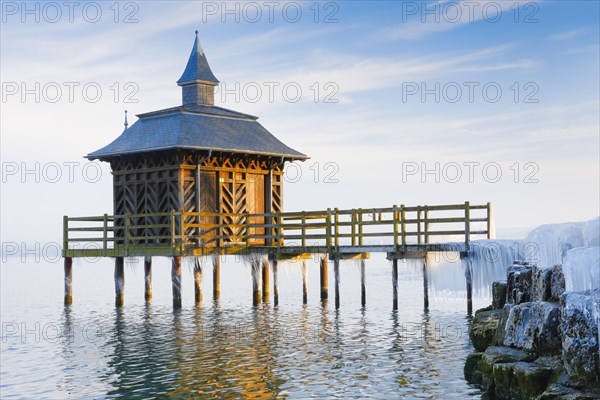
(488, 261)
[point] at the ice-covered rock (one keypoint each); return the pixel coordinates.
(519, 283)
(579, 332)
(499, 294)
(534, 327)
(548, 284)
(581, 267)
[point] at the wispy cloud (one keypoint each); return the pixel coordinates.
(567, 35)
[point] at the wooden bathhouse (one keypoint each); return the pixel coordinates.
(198, 179)
(195, 157)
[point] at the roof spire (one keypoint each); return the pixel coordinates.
(126, 123)
(197, 68)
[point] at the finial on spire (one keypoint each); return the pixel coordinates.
(126, 123)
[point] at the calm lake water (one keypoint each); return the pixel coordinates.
(227, 348)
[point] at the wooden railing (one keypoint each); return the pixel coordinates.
(175, 232)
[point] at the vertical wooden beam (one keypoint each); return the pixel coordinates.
(197, 280)
(490, 222)
(198, 198)
(148, 278)
(176, 281)
(425, 285)
(216, 276)
(68, 281)
(336, 273)
(304, 282)
(268, 186)
(395, 283)
(363, 283)
(324, 278)
(265, 280)
(255, 270)
(119, 281)
(275, 286)
(467, 225)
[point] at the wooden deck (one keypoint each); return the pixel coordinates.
(399, 231)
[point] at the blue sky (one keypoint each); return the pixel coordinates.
(369, 56)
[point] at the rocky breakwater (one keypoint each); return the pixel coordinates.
(536, 341)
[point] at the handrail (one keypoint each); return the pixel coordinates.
(397, 226)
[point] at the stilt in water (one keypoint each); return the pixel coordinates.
(197, 280)
(265, 280)
(216, 276)
(148, 278)
(324, 278)
(119, 281)
(468, 276)
(395, 283)
(68, 281)
(425, 285)
(275, 286)
(304, 282)
(336, 273)
(176, 281)
(255, 266)
(363, 283)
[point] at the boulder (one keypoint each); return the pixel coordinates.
(556, 391)
(557, 283)
(501, 330)
(519, 283)
(498, 294)
(520, 380)
(472, 374)
(483, 327)
(579, 332)
(497, 355)
(541, 283)
(534, 327)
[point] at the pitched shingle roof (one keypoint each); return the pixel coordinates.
(199, 127)
(197, 68)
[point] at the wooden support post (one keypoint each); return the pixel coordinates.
(467, 225)
(336, 273)
(197, 280)
(176, 281)
(425, 285)
(395, 283)
(275, 287)
(468, 277)
(216, 276)
(68, 281)
(119, 281)
(324, 278)
(255, 270)
(304, 282)
(265, 280)
(363, 283)
(148, 278)
(491, 234)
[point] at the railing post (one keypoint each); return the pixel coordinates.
(337, 229)
(467, 225)
(127, 222)
(181, 231)
(403, 221)
(353, 227)
(328, 229)
(280, 240)
(65, 234)
(105, 234)
(247, 229)
(172, 218)
(360, 227)
(426, 225)
(303, 229)
(490, 222)
(419, 224)
(395, 216)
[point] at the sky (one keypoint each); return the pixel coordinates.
(395, 102)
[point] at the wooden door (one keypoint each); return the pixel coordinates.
(255, 204)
